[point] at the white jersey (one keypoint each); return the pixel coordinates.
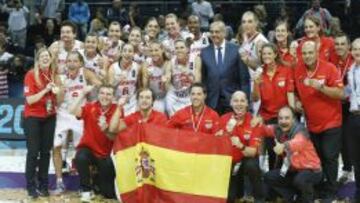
(169, 43)
(63, 55)
(250, 47)
(178, 95)
(199, 44)
(73, 88)
(114, 48)
(182, 78)
(139, 58)
(91, 63)
(126, 85)
(155, 79)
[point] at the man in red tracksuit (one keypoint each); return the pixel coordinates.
(301, 167)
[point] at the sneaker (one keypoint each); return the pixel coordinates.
(86, 196)
(43, 192)
(346, 177)
(33, 194)
(60, 188)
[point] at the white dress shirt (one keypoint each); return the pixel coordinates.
(222, 51)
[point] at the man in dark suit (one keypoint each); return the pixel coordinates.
(223, 71)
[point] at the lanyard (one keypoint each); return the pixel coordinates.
(343, 72)
(196, 126)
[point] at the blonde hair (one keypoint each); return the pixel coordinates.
(38, 81)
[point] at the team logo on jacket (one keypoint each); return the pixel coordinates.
(144, 169)
(208, 124)
(281, 83)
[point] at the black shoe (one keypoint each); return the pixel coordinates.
(43, 192)
(33, 194)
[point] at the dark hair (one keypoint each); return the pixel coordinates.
(343, 34)
(198, 84)
(164, 56)
(93, 34)
(151, 19)
(316, 21)
(287, 25)
(115, 23)
(80, 57)
(106, 86)
(70, 24)
(293, 113)
(143, 89)
(274, 48)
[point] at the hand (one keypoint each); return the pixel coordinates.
(55, 90)
(103, 126)
(315, 84)
(49, 86)
(88, 89)
(298, 107)
(230, 125)
(236, 142)
(256, 121)
(164, 79)
(279, 148)
(219, 133)
(122, 101)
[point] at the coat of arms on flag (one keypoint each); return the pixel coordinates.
(161, 165)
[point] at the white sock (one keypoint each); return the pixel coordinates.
(59, 180)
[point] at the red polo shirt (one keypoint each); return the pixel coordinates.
(155, 117)
(273, 91)
(206, 122)
(322, 112)
(248, 136)
(286, 58)
(327, 47)
(342, 65)
(93, 138)
(38, 109)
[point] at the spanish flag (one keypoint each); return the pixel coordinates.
(162, 165)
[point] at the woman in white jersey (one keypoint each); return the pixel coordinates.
(93, 60)
(135, 38)
(66, 44)
(185, 70)
(124, 76)
(110, 46)
(154, 74)
(252, 39)
(76, 79)
(152, 30)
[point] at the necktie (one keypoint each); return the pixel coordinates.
(219, 58)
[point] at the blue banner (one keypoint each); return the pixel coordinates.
(11, 116)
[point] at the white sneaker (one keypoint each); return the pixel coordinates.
(60, 188)
(346, 177)
(86, 197)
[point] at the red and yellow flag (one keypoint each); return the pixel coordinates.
(161, 165)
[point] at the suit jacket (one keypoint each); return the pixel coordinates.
(233, 76)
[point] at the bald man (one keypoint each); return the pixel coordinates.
(223, 71)
(320, 91)
(245, 140)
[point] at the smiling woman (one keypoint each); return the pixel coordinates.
(39, 122)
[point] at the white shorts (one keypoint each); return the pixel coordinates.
(175, 102)
(64, 123)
